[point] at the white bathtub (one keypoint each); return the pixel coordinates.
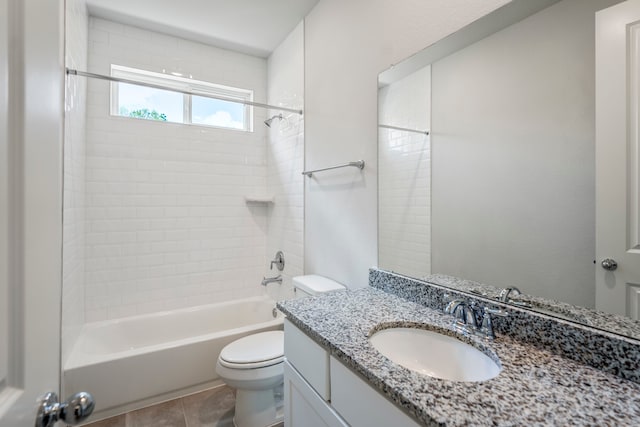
(135, 361)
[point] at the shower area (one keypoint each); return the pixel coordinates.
(175, 202)
(404, 173)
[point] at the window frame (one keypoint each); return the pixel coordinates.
(182, 84)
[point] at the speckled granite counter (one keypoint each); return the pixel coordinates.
(535, 387)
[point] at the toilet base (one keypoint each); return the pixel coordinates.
(278, 423)
(259, 408)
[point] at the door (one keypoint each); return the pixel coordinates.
(618, 159)
(31, 112)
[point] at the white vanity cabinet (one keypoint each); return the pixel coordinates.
(320, 391)
(307, 383)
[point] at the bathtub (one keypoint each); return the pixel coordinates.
(136, 361)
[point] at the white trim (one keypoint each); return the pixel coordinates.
(8, 396)
(186, 108)
(180, 83)
(35, 124)
(633, 137)
(4, 200)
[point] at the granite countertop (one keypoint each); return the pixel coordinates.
(535, 387)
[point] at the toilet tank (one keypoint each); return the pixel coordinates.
(313, 284)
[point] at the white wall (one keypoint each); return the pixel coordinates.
(404, 175)
(167, 223)
(513, 179)
(347, 43)
(5, 163)
(285, 160)
(76, 28)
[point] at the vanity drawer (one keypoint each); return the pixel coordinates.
(303, 406)
(309, 358)
(359, 404)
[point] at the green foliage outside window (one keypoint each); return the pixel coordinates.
(144, 113)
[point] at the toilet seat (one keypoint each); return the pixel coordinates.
(254, 351)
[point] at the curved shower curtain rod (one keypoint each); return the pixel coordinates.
(186, 92)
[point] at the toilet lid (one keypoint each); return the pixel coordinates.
(254, 351)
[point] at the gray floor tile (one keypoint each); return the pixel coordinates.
(210, 408)
(169, 414)
(119, 421)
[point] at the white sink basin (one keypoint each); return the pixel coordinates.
(434, 354)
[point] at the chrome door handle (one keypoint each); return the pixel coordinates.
(609, 264)
(75, 410)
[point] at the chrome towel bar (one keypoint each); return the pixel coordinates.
(425, 132)
(358, 164)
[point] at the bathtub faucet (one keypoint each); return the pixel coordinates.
(267, 280)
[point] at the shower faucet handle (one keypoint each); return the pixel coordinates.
(278, 261)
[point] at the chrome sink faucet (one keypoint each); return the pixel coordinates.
(504, 294)
(464, 313)
(470, 320)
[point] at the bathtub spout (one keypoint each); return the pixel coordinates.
(267, 280)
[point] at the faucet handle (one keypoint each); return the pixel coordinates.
(278, 261)
(487, 324)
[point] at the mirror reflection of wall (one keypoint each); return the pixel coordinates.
(513, 178)
(404, 170)
(514, 194)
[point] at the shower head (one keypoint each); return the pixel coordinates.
(277, 116)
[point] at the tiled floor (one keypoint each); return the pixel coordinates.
(210, 408)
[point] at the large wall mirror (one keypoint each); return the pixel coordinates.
(487, 163)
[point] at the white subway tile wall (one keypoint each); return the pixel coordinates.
(167, 225)
(73, 243)
(404, 169)
(285, 160)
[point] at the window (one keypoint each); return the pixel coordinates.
(142, 102)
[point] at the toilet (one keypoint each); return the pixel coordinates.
(254, 365)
